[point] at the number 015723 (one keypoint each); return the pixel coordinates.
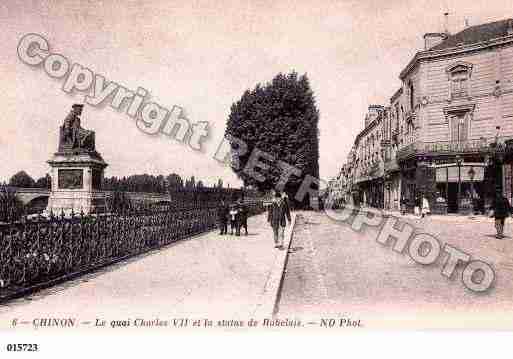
(22, 347)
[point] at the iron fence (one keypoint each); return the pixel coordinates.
(36, 251)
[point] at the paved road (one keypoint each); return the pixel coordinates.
(219, 277)
(334, 271)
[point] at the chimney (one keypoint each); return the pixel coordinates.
(446, 23)
(510, 27)
(466, 23)
(373, 113)
(431, 39)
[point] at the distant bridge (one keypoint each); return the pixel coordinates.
(38, 197)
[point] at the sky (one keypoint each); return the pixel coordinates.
(202, 55)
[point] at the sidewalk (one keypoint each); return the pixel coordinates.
(207, 276)
(458, 218)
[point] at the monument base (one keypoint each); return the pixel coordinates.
(76, 184)
(77, 202)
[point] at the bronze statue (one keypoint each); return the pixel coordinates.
(74, 138)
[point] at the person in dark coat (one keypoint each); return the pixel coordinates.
(501, 210)
(243, 218)
(222, 218)
(278, 214)
(403, 206)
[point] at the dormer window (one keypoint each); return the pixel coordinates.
(459, 79)
(459, 83)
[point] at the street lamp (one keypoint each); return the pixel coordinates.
(497, 160)
(471, 174)
(459, 160)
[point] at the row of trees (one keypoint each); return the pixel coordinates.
(134, 183)
(154, 184)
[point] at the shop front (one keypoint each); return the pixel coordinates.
(461, 187)
(456, 177)
(392, 191)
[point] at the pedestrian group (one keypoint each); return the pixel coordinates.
(236, 215)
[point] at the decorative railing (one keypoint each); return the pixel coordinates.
(34, 252)
(482, 145)
(407, 151)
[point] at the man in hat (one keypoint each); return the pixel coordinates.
(501, 210)
(278, 214)
(243, 217)
(222, 218)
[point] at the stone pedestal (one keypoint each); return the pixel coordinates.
(76, 183)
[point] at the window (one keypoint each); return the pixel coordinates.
(412, 97)
(459, 75)
(459, 127)
(459, 84)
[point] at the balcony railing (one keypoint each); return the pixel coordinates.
(481, 145)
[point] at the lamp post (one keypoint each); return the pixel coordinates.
(498, 157)
(471, 174)
(459, 160)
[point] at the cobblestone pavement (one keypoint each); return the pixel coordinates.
(335, 272)
(207, 276)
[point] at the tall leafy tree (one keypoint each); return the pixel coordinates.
(281, 119)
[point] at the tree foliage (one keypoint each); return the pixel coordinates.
(281, 119)
(22, 179)
(119, 202)
(150, 183)
(190, 183)
(11, 208)
(44, 182)
(174, 181)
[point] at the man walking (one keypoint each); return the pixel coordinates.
(501, 210)
(243, 217)
(425, 207)
(222, 218)
(278, 214)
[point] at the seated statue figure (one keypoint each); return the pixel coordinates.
(74, 138)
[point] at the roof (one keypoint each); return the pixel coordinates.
(369, 127)
(476, 34)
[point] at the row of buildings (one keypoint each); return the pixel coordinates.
(446, 133)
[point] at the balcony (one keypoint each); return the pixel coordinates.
(481, 145)
(409, 150)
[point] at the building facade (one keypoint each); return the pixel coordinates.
(447, 133)
(368, 164)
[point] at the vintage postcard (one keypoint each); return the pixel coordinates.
(195, 167)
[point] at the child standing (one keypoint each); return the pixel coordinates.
(233, 218)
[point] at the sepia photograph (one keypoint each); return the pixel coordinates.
(330, 169)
